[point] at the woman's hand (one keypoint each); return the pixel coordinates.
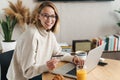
(78, 61)
(51, 64)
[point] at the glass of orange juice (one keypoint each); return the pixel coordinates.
(81, 74)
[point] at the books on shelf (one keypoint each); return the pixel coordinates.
(112, 42)
(118, 41)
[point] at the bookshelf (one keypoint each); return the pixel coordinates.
(111, 55)
(111, 51)
(112, 48)
(112, 42)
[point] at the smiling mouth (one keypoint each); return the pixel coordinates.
(48, 24)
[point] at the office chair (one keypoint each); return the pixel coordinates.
(5, 59)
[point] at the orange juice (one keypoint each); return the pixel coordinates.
(81, 74)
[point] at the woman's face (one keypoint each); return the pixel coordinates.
(47, 17)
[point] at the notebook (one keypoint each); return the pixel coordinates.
(93, 57)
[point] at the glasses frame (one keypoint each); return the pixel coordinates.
(47, 16)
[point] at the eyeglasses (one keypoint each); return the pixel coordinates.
(48, 16)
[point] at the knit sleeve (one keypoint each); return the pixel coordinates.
(58, 51)
(30, 67)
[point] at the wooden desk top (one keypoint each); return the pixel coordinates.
(108, 72)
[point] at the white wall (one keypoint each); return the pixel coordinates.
(82, 20)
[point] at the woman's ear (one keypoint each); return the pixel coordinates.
(39, 17)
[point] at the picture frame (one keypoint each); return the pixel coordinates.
(81, 45)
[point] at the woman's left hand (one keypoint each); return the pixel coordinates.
(78, 61)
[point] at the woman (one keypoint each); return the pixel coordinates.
(37, 45)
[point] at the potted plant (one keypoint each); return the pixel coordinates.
(16, 13)
(8, 25)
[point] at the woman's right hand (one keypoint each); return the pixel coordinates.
(77, 61)
(51, 64)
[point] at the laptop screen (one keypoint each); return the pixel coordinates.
(72, 72)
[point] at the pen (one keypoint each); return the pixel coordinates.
(57, 55)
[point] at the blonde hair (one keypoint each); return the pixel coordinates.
(38, 10)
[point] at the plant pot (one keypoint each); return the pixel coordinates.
(7, 46)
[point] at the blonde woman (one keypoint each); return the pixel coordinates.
(36, 46)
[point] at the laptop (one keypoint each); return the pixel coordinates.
(93, 57)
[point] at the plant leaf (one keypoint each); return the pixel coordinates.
(7, 27)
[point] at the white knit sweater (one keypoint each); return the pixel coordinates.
(34, 48)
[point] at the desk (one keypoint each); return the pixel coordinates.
(108, 72)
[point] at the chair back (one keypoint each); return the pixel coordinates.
(5, 59)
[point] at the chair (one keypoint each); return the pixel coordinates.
(5, 59)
